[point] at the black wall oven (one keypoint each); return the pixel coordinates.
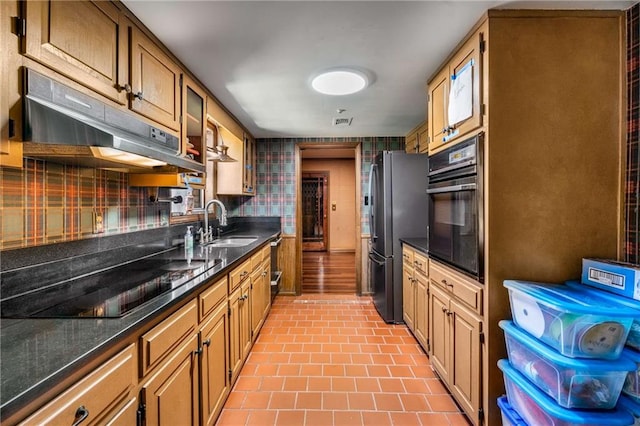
(455, 206)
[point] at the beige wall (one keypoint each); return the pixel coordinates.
(342, 192)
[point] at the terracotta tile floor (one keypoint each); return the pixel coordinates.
(330, 360)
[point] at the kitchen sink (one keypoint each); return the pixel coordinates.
(231, 242)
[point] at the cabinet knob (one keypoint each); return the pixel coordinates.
(126, 88)
(198, 351)
(137, 95)
(444, 309)
(207, 342)
(81, 414)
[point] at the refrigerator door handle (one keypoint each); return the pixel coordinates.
(373, 259)
(372, 202)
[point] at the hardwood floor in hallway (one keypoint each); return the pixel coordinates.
(328, 272)
(330, 360)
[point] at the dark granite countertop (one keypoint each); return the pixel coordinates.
(417, 243)
(39, 353)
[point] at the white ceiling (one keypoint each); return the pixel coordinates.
(257, 57)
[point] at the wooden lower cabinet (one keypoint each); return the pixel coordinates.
(239, 328)
(256, 297)
(235, 339)
(266, 288)
(415, 290)
(185, 366)
(408, 305)
(245, 319)
(96, 398)
(455, 334)
(421, 294)
(215, 380)
(126, 415)
(171, 396)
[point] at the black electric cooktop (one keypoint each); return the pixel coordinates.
(108, 294)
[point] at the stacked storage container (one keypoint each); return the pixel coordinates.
(610, 285)
(564, 347)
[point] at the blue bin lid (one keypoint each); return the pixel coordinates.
(631, 354)
(511, 414)
(613, 298)
(562, 297)
(547, 353)
(614, 417)
(629, 405)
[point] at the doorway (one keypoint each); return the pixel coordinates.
(315, 196)
(328, 215)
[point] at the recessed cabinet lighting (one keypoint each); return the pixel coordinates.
(339, 82)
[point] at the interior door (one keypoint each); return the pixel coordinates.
(315, 224)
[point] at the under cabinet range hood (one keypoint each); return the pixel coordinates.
(64, 125)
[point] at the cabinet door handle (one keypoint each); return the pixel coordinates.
(444, 309)
(198, 351)
(207, 342)
(137, 95)
(126, 88)
(81, 414)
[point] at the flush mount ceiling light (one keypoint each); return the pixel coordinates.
(339, 82)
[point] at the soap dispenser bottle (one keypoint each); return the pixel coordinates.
(188, 239)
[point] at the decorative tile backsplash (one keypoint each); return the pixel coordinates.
(275, 177)
(48, 203)
(632, 200)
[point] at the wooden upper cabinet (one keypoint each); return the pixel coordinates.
(416, 140)
(155, 82)
(423, 138)
(461, 79)
(85, 41)
(236, 178)
(411, 141)
(467, 60)
(10, 101)
(194, 120)
(248, 180)
(437, 109)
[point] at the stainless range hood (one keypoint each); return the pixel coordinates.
(66, 126)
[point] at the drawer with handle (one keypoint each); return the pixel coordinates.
(463, 288)
(239, 274)
(94, 396)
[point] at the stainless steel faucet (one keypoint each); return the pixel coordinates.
(208, 233)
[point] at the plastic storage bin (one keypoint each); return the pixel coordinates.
(633, 339)
(575, 323)
(632, 383)
(510, 417)
(538, 409)
(571, 382)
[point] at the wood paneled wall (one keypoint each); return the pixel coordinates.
(287, 264)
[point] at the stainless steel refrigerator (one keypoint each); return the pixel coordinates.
(398, 209)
